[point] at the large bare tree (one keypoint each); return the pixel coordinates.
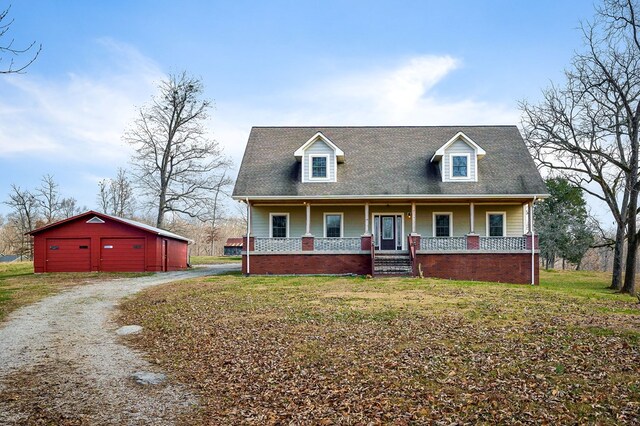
(9, 52)
(587, 129)
(176, 165)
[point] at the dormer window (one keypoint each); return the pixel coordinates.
(319, 157)
(460, 166)
(458, 159)
(318, 166)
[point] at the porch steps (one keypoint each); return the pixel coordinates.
(392, 264)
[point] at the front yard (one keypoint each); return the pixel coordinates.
(267, 350)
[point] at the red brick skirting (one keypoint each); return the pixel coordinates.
(303, 264)
(497, 267)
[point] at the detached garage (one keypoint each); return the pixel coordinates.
(95, 241)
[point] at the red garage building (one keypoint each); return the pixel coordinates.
(95, 241)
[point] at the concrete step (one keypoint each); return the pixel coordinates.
(392, 264)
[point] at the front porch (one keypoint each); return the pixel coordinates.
(488, 241)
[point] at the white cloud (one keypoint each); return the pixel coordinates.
(399, 95)
(81, 117)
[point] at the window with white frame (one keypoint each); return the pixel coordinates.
(496, 224)
(279, 225)
(459, 166)
(318, 167)
(442, 224)
(333, 225)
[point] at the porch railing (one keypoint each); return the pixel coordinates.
(336, 244)
(354, 244)
(503, 243)
(278, 244)
(443, 243)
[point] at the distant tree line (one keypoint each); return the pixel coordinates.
(33, 208)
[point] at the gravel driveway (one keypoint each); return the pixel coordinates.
(62, 363)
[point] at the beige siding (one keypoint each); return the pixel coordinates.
(458, 147)
(319, 147)
(460, 218)
(260, 220)
(515, 224)
(353, 217)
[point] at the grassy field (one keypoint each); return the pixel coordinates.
(322, 350)
(19, 286)
(214, 260)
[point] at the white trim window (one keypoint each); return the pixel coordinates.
(278, 225)
(459, 166)
(319, 167)
(333, 225)
(496, 224)
(442, 224)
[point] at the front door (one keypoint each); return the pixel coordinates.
(387, 233)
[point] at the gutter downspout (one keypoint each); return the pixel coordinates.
(533, 244)
(248, 233)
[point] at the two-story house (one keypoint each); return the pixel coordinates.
(445, 201)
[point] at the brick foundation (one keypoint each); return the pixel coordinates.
(498, 267)
(307, 264)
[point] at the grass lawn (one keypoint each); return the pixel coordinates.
(214, 260)
(19, 286)
(326, 350)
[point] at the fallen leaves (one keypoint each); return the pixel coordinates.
(279, 350)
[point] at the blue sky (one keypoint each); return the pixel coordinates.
(267, 63)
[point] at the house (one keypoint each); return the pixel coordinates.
(95, 241)
(233, 247)
(445, 201)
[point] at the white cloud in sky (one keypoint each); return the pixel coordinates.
(82, 116)
(402, 94)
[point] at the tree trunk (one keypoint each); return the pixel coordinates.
(632, 244)
(161, 204)
(616, 278)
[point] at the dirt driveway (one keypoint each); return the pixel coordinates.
(61, 361)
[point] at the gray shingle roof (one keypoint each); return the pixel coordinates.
(385, 161)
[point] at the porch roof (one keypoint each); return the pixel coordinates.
(387, 163)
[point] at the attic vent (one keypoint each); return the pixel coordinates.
(95, 219)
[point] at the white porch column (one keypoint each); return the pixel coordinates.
(248, 235)
(366, 219)
(472, 218)
(308, 228)
(413, 217)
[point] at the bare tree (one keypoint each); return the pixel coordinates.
(587, 130)
(69, 207)
(115, 196)
(48, 198)
(8, 50)
(24, 215)
(216, 210)
(175, 164)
